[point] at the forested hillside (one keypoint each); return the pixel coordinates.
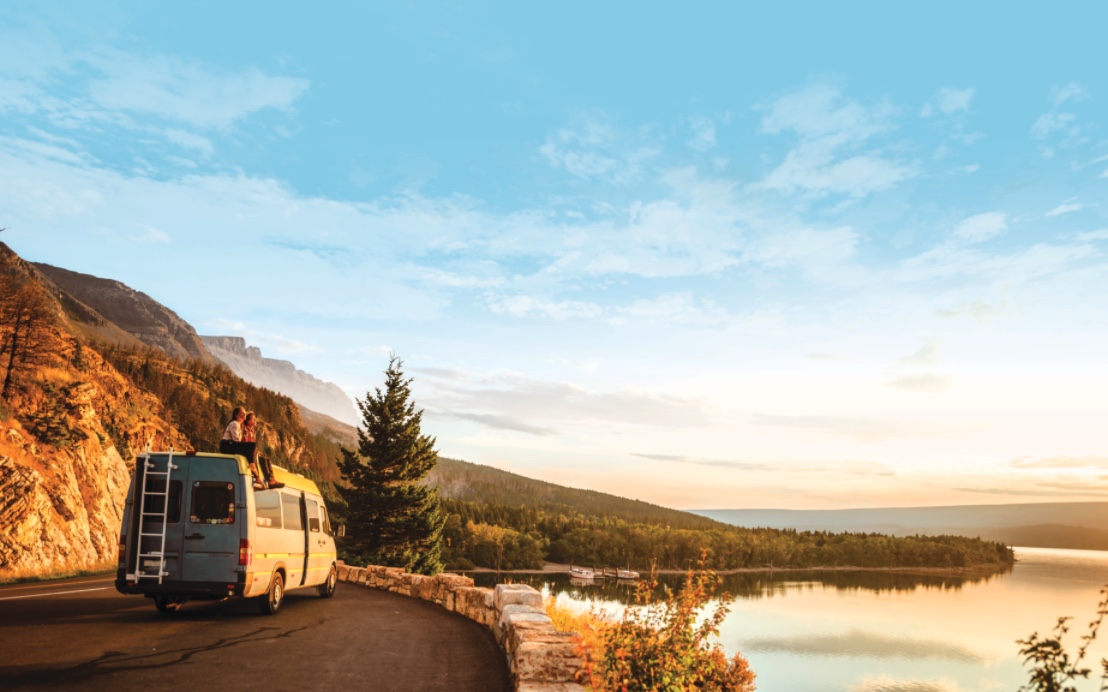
(505, 521)
(466, 482)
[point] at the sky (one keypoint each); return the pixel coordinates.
(708, 256)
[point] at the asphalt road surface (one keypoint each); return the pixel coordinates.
(80, 634)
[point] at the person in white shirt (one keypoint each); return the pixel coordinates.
(233, 431)
(232, 443)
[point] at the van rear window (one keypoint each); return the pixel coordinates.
(155, 502)
(213, 502)
(267, 508)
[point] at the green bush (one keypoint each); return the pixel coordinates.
(659, 646)
(1052, 666)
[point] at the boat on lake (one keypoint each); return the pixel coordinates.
(621, 574)
(581, 573)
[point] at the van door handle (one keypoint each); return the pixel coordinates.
(194, 537)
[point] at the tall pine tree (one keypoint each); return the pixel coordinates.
(393, 517)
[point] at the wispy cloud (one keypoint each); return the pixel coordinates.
(499, 422)
(981, 227)
(703, 134)
(863, 429)
(948, 102)
(832, 155)
(1073, 91)
(923, 383)
(1060, 463)
(598, 149)
(928, 354)
(546, 404)
(1065, 208)
(186, 91)
(719, 463)
(523, 306)
(149, 234)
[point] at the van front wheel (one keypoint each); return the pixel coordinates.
(327, 588)
(270, 603)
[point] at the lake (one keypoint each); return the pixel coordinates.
(881, 632)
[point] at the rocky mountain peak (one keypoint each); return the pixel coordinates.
(281, 376)
(132, 311)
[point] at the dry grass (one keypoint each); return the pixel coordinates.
(588, 625)
(9, 576)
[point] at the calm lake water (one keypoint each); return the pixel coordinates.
(877, 632)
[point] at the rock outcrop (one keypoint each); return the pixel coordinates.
(132, 311)
(61, 498)
(281, 376)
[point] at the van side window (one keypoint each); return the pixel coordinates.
(313, 516)
(326, 521)
(267, 508)
(213, 502)
(290, 508)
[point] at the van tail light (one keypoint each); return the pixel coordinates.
(246, 555)
(122, 558)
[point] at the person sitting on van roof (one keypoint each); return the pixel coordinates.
(250, 434)
(233, 443)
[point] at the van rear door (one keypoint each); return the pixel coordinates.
(215, 517)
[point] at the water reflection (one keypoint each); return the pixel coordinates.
(858, 643)
(859, 631)
(746, 585)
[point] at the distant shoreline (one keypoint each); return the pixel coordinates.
(973, 570)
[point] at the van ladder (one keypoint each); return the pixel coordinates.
(156, 520)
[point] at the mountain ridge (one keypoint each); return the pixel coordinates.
(281, 376)
(1078, 525)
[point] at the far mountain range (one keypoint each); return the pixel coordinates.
(1082, 525)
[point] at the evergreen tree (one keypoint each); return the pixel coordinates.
(393, 517)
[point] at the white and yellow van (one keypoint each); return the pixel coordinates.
(195, 528)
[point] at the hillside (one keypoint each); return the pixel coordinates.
(81, 398)
(466, 482)
(131, 311)
(1079, 525)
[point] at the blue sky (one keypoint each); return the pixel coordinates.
(708, 256)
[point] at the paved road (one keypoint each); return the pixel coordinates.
(80, 634)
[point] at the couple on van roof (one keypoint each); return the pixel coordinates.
(240, 437)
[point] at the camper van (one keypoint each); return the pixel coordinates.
(195, 527)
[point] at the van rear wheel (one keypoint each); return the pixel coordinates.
(164, 605)
(327, 588)
(270, 603)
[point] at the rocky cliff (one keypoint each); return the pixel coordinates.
(65, 462)
(281, 376)
(132, 311)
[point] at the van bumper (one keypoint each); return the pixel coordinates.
(181, 589)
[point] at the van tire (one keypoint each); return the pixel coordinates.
(271, 602)
(164, 605)
(327, 588)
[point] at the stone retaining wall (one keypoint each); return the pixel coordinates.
(541, 658)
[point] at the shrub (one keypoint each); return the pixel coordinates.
(658, 645)
(1051, 664)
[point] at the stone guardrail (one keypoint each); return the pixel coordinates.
(541, 658)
